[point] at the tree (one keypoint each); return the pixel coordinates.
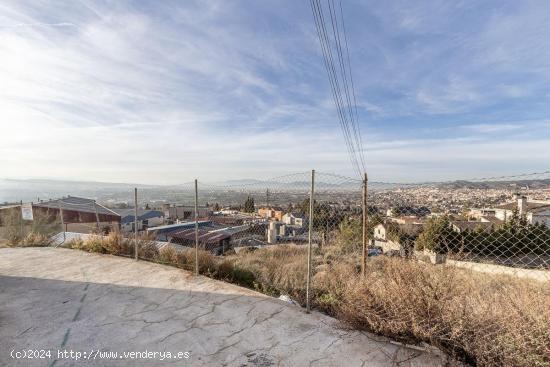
(289, 208)
(324, 217)
(249, 205)
(350, 234)
(216, 207)
(437, 236)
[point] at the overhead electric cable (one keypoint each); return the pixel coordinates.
(341, 83)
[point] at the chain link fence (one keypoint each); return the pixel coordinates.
(462, 265)
(495, 225)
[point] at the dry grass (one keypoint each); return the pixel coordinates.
(276, 270)
(34, 239)
(33, 233)
(114, 243)
(483, 320)
(185, 259)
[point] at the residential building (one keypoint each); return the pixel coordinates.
(145, 219)
(185, 212)
(535, 211)
(271, 213)
(460, 226)
(391, 236)
(293, 219)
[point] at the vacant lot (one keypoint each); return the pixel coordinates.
(61, 299)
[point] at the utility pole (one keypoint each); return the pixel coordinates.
(365, 219)
(135, 224)
(311, 194)
(196, 228)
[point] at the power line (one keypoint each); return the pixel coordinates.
(329, 66)
(362, 151)
(344, 99)
(337, 42)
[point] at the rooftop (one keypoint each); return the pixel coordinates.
(127, 215)
(531, 205)
(75, 203)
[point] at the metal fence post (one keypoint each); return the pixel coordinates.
(62, 221)
(21, 221)
(196, 228)
(311, 209)
(365, 236)
(135, 224)
(96, 217)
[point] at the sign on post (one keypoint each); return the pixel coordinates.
(26, 211)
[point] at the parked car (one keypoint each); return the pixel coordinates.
(375, 251)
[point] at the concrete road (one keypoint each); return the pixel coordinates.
(67, 301)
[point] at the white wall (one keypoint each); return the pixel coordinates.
(541, 217)
(380, 232)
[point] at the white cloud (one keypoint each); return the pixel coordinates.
(162, 93)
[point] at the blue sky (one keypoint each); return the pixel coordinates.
(162, 92)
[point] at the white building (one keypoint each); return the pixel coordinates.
(145, 219)
(387, 244)
(294, 220)
(536, 211)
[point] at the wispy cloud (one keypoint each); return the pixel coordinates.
(166, 91)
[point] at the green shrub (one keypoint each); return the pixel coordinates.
(243, 277)
(225, 270)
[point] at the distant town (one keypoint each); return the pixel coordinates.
(234, 217)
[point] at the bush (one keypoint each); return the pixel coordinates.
(115, 244)
(93, 244)
(181, 260)
(167, 255)
(481, 319)
(243, 277)
(225, 270)
(34, 239)
(207, 262)
(75, 243)
(147, 248)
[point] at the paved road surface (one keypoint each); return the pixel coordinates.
(60, 299)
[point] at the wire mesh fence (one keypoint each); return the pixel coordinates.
(440, 261)
(495, 224)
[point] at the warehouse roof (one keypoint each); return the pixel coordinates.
(127, 215)
(76, 204)
(204, 235)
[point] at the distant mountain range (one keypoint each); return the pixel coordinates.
(531, 183)
(13, 190)
(464, 184)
